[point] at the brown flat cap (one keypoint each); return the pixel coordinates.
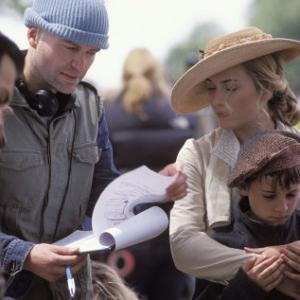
(264, 153)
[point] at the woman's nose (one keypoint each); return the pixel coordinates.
(217, 98)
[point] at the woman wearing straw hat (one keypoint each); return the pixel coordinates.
(241, 75)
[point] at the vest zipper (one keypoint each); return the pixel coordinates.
(49, 184)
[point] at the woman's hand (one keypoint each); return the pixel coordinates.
(266, 273)
(177, 189)
(266, 251)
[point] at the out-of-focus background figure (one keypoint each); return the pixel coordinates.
(145, 130)
(108, 285)
(11, 65)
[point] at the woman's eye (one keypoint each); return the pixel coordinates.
(230, 88)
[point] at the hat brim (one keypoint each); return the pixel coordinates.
(189, 93)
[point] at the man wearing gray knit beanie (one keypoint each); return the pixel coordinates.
(58, 157)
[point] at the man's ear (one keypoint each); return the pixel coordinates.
(33, 36)
(244, 192)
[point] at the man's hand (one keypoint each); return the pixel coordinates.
(177, 189)
(267, 273)
(49, 261)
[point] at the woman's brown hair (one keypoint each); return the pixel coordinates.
(268, 72)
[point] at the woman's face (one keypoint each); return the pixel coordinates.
(235, 99)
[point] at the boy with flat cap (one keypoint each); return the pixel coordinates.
(267, 173)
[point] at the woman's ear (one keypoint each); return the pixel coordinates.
(244, 192)
(266, 96)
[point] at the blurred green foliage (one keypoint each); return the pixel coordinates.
(181, 56)
(281, 19)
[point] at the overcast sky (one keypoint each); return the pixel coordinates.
(155, 24)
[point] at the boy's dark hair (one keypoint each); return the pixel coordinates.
(8, 47)
(284, 178)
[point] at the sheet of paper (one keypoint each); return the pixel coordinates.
(85, 240)
(114, 223)
(144, 226)
(117, 201)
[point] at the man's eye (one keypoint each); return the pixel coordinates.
(70, 48)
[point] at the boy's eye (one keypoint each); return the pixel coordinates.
(292, 195)
(269, 196)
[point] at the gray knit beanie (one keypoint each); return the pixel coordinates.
(79, 21)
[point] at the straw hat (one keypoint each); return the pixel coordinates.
(189, 93)
(265, 153)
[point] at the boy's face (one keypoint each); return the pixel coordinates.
(273, 205)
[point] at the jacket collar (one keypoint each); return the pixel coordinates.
(228, 146)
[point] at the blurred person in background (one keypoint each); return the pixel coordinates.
(143, 127)
(145, 130)
(108, 285)
(11, 66)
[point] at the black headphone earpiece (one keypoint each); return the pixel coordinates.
(45, 102)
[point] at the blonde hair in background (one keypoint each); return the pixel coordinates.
(268, 73)
(108, 285)
(142, 76)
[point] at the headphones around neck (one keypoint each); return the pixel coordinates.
(46, 103)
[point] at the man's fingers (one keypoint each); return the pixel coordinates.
(65, 250)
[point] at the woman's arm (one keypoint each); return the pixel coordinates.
(194, 252)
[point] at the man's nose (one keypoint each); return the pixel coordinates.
(79, 61)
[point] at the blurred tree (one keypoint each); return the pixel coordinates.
(281, 19)
(181, 55)
(17, 5)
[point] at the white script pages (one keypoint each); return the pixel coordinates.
(116, 223)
